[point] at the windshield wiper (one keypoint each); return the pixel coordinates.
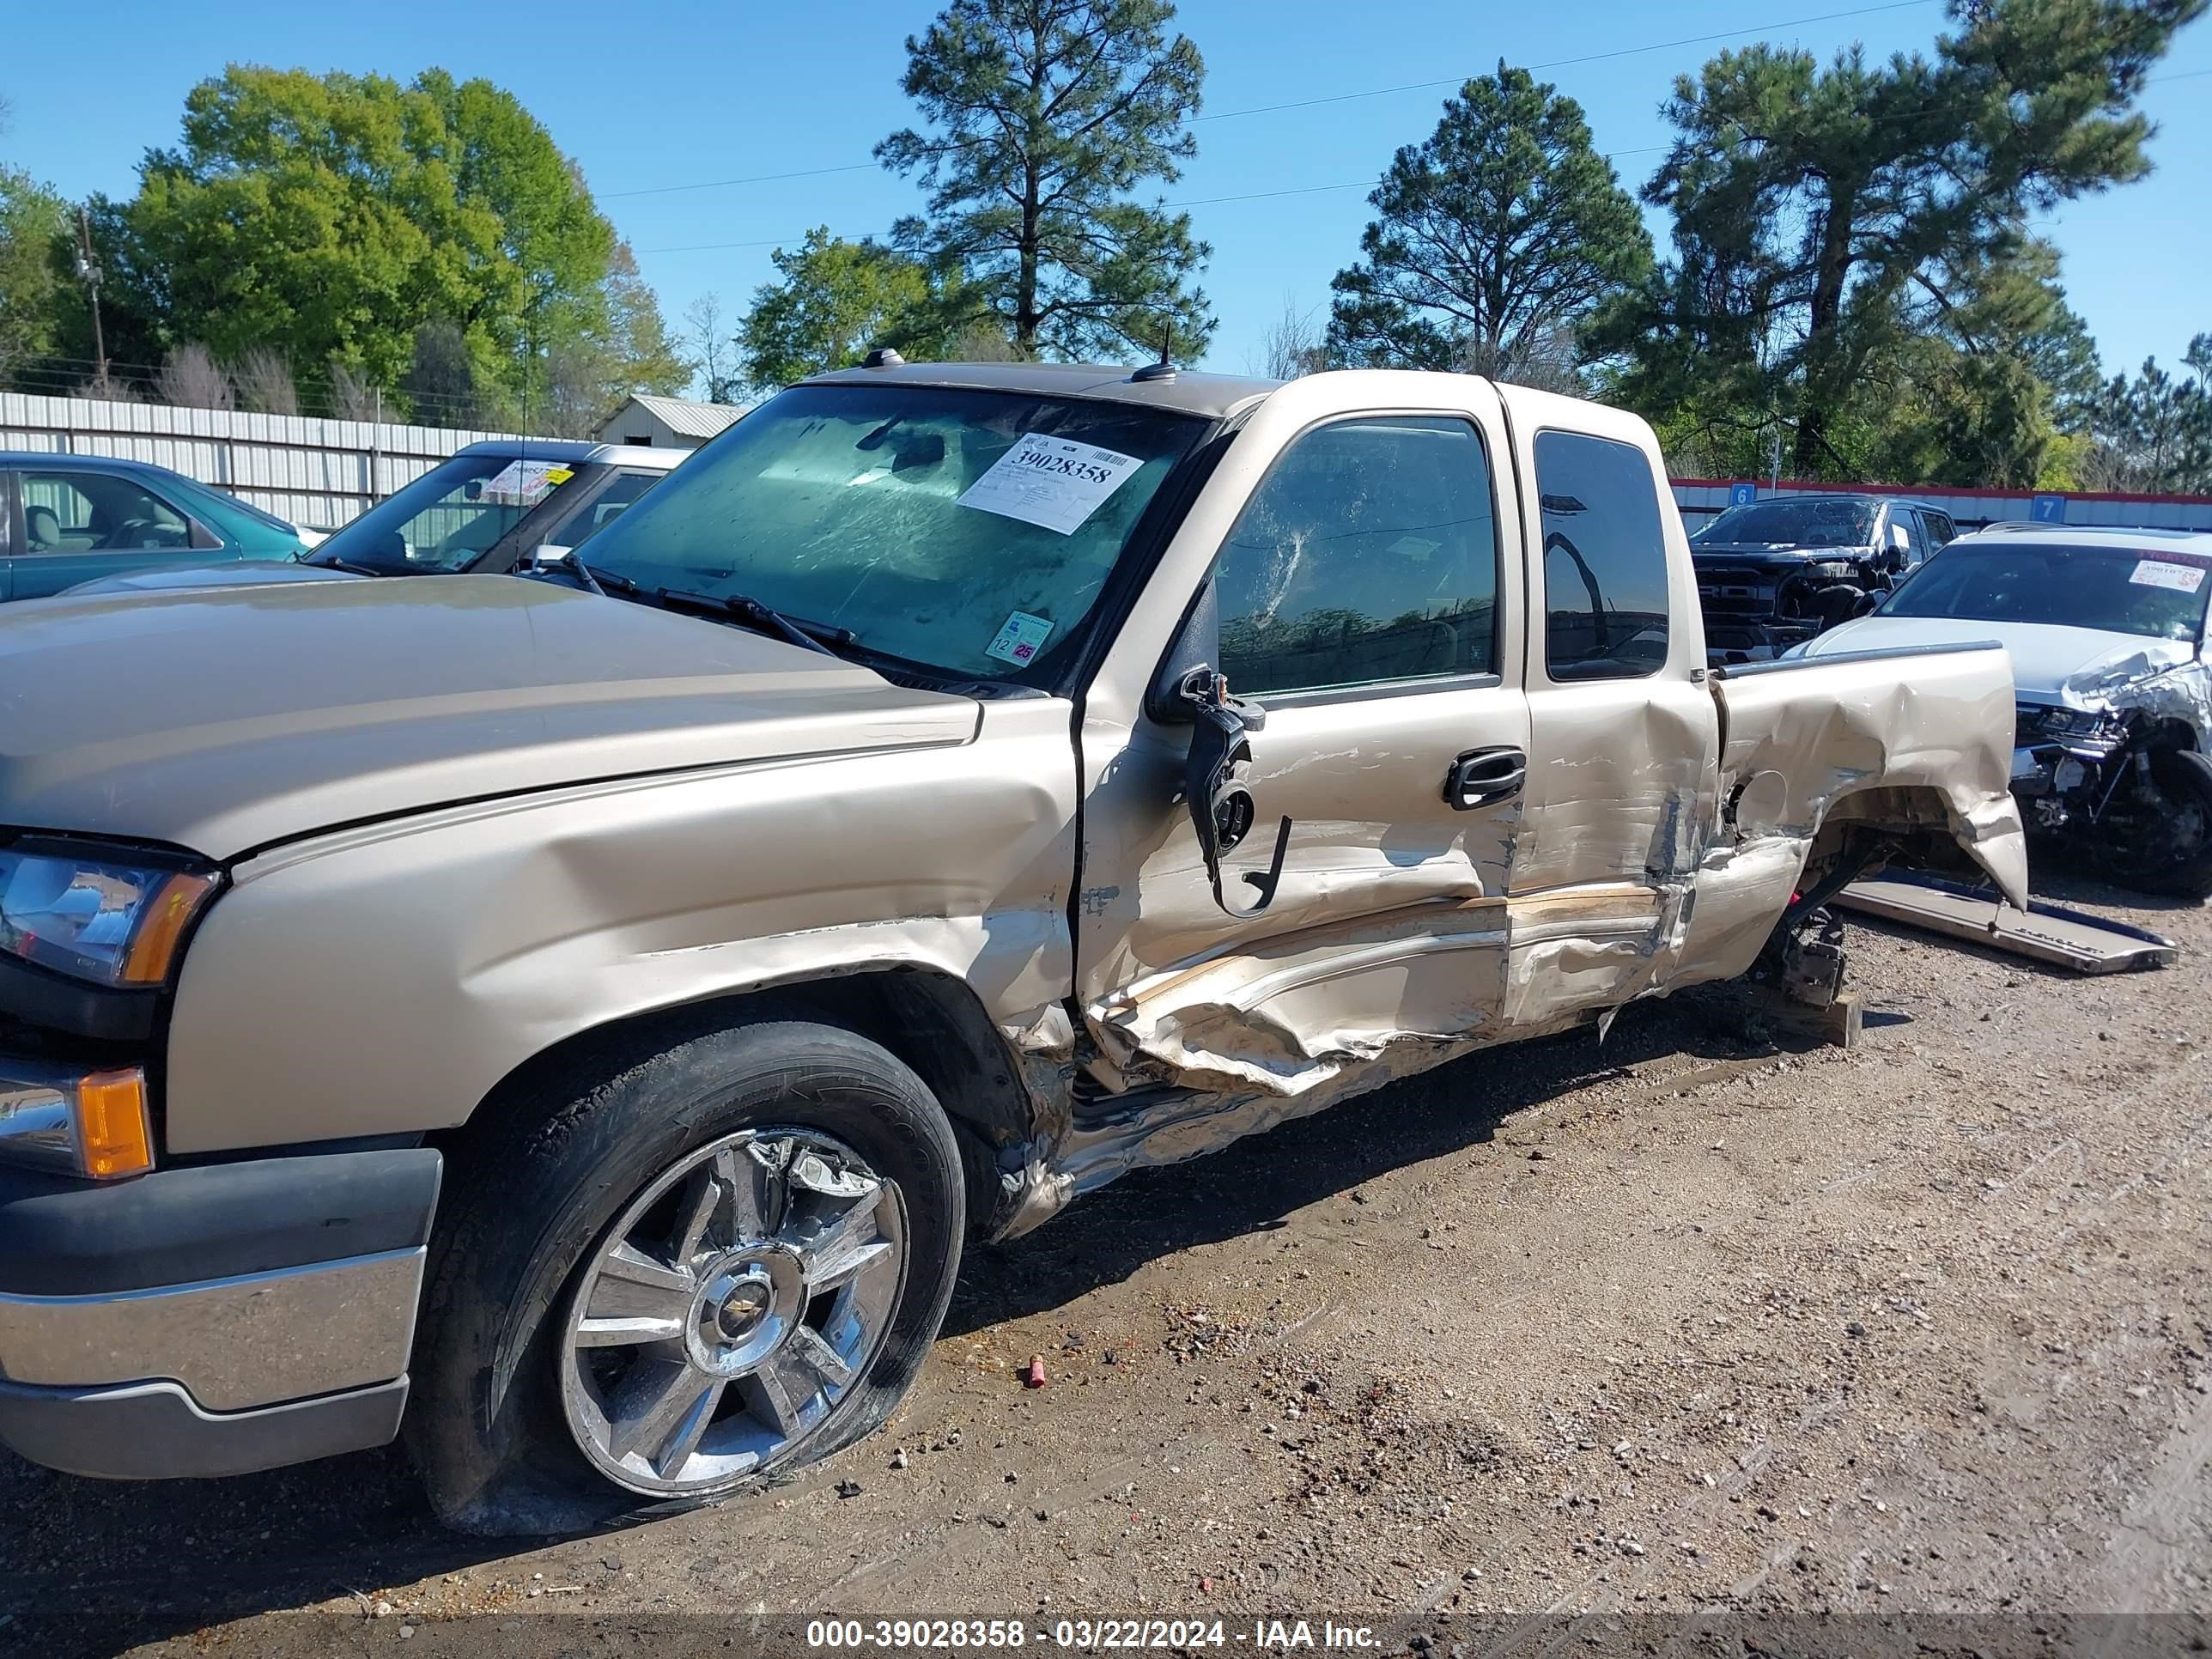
(752, 613)
(738, 607)
(331, 561)
(589, 577)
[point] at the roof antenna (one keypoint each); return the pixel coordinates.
(1163, 369)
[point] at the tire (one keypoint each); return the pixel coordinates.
(535, 1346)
(2180, 866)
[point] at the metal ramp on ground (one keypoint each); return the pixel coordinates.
(2045, 932)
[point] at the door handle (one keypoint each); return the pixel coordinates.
(1483, 776)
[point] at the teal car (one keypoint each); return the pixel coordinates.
(68, 519)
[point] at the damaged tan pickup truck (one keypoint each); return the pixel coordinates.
(576, 1018)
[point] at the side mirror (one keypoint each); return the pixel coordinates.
(1217, 783)
(1196, 646)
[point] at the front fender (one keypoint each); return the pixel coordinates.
(383, 980)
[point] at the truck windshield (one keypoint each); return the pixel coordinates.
(1793, 524)
(967, 532)
(2119, 590)
(449, 516)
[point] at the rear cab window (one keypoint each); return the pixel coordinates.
(1606, 598)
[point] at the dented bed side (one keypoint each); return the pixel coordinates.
(1907, 743)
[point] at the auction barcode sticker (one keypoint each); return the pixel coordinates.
(523, 483)
(2164, 573)
(1050, 482)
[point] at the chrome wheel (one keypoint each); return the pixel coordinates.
(729, 1309)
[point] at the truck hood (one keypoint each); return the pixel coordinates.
(239, 573)
(2080, 667)
(225, 718)
(1773, 553)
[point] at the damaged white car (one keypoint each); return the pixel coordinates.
(2105, 629)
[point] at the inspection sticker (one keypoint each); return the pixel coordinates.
(2161, 572)
(1050, 482)
(1020, 640)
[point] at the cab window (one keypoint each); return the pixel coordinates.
(1916, 538)
(1369, 554)
(621, 494)
(1605, 559)
(94, 512)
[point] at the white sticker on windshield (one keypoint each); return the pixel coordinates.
(1020, 640)
(1050, 482)
(2161, 572)
(522, 483)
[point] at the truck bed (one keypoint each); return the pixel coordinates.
(1910, 739)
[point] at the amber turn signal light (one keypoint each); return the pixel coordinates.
(113, 1135)
(155, 947)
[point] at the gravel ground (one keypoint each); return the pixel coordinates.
(1686, 1324)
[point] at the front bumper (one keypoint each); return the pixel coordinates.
(211, 1320)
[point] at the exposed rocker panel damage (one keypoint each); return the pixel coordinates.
(1292, 1014)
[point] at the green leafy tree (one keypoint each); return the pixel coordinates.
(2154, 432)
(835, 300)
(1495, 238)
(33, 235)
(1821, 213)
(1980, 389)
(610, 343)
(1046, 116)
(333, 218)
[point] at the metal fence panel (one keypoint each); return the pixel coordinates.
(312, 471)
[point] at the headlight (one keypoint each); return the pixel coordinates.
(112, 921)
(2080, 725)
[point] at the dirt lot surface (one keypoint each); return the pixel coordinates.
(1685, 1324)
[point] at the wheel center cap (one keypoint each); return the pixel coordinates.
(743, 1310)
(748, 1304)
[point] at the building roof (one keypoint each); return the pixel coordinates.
(1186, 391)
(682, 415)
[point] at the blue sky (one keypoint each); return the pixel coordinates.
(676, 95)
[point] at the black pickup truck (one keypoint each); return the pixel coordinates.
(1773, 573)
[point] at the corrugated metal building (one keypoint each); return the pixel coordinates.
(667, 423)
